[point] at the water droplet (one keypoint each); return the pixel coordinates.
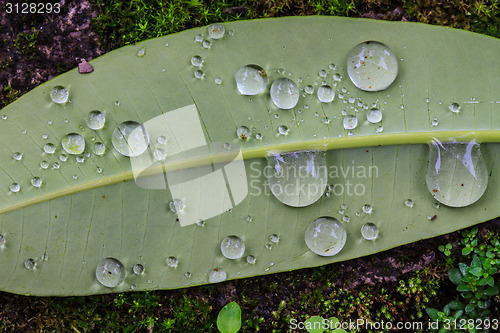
(372, 66)
(206, 44)
(435, 122)
(142, 52)
(409, 203)
(454, 107)
(44, 136)
(2, 241)
(251, 260)
(187, 274)
(176, 205)
(350, 122)
(284, 93)
(258, 136)
(325, 236)
(159, 155)
(130, 138)
(352, 100)
(200, 223)
(4, 117)
(73, 143)
(199, 74)
(232, 247)
(298, 179)
(346, 219)
(44, 164)
(95, 120)
(374, 115)
(337, 77)
(55, 166)
(251, 80)
(117, 103)
(380, 129)
(243, 133)
(249, 218)
(216, 31)
(218, 80)
(198, 38)
(99, 148)
(367, 209)
(138, 269)
(110, 272)
(15, 187)
(369, 231)
(30, 264)
(274, 238)
(283, 130)
(75, 177)
(17, 156)
(269, 246)
(162, 140)
(436, 205)
(309, 89)
(196, 61)
(217, 275)
(322, 73)
(172, 262)
(59, 95)
(36, 181)
(63, 158)
(331, 66)
(99, 170)
(325, 120)
(457, 174)
(326, 94)
(80, 159)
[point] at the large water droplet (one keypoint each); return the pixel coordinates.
(350, 122)
(30, 264)
(457, 175)
(172, 262)
(216, 31)
(372, 66)
(110, 272)
(217, 275)
(454, 107)
(36, 181)
(95, 120)
(59, 95)
(243, 133)
(176, 205)
(374, 115)
(196, 61)
(326, 94)
(138, 269)
(232, 247)
(73, 143)
(15, 187)
(251, 80)
(130, 138)
(284, 93)
(325, 236)
(99, 148)
(369, 231)
(298, 179)
(49, 148)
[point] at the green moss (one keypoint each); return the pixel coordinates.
(26, 42)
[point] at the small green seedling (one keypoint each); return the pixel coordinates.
(229, 318)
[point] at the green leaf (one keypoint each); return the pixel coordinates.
(476, 262)
(229, 318)
(463, 268)
(470, 307)
(92, 208)
(466, 251)
(484, 281)
(456, 305)
(491, 291)
(463, 287)
(455, 275)
(477, 271)
(433, 313)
